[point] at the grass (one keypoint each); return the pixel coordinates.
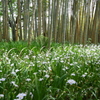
(69, 72)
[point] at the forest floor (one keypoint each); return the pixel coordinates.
(62, 72)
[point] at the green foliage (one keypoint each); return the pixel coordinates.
(42, 41)
(89, 41)
(60, 73)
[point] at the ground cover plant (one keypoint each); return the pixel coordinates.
(68, 72)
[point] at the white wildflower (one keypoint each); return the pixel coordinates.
(40, 70)
(84, 74)
(13, 73)
(61, 61)
(49, 68)
(31, 64)
(71, 81)
(72, 74)
(17, 70)
(26, 57)
(44, 62)
(34, 56)
(28, 79)
(56, 58)
(1, 95)
(31, 94)
(38, 61)
(44, 71)
(12, 64)
(71, 64)
(35, 73)
(7, 58)
(47, 76)
(14, 84)
(0, 70)
(41, 79)
(21, 96)
(2, 79)
(63, 69)
(66, 67)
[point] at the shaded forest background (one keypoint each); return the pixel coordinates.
(72, 21)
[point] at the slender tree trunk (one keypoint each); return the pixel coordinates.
(49, 25)
(0, 28)
(74, 19)
(65, 21)
(96, 23)
(19, 25)
(12, 21)
(87, 22)
(36, 24)
(81, 23)
(56, 19)
(39, 16)
(5, 20)
(33, 33)
(44, 17)
(26, 19)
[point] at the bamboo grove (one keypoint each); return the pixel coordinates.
(72, 21)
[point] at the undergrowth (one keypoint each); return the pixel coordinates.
(68, 72)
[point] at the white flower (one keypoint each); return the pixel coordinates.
(40, 79)
(62, 61)
(49, 68)
(44, 62)
(71, 64)
(17, 70)
(13, 73)
(56, 58)
(34, 56)
(2, 79)
(1, 95)
(31, 64)
(63, 69)
(20, 96)
(31, 94)
(84, 74)
(28, 79)
(0, 70)
(75, 63)
(14, 84)
(27, 57)
(66, 67)
(44, 71)
(7, 58)
(35, 73)
(71, 81)
(38, 61)
(47, 76)
(40, 70)
(72, 74)
(12, 64)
